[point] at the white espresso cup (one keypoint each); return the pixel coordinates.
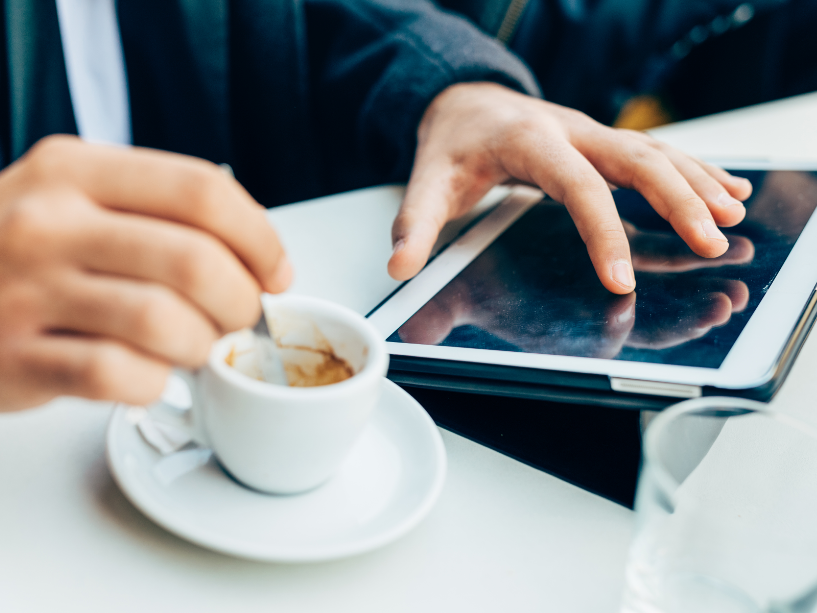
(280, 439)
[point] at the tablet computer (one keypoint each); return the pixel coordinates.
(513, 305)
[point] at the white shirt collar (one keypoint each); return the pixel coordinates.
(96, 70)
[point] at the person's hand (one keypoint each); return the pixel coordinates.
(526, 294)
(116, 264)
(572, 321)
(476, 135)
(514, 292)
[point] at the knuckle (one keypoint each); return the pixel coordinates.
(569, 113)
(581, 118)
(604, 235)
(169, 329)
(658, 145)
(202, 188)
(519, 127)
(579, 188)
(26, 226)
(43, 226)
(522, 125)
(99, 374)
(688, 206)
(151, 316)
(641, 137)
(50, 146)
(586, 183)
(51, 155)
(692, 201)
(679, 214)
(192, 262)
(643, 156)
(644, 161)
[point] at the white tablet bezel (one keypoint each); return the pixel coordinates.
(765, 335)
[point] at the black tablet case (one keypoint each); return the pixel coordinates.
(593, 447)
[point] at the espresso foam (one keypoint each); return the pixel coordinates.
(307, 367)
(304, 366)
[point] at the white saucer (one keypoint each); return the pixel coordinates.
(388, 484)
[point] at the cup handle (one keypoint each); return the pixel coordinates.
(189, 419)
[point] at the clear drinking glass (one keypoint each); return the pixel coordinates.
(726, 512)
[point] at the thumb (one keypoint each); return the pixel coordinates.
(438, 191)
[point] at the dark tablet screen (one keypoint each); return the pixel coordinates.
(535, 290)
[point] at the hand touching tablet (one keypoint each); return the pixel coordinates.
(477, 135)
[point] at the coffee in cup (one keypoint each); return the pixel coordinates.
(304, 366)
(281, 439)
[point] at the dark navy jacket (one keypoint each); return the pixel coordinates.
(300, 97)
(699, 56)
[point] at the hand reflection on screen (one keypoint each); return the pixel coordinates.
(481, 298)
(685, 315)
(666, 252)
(524, 292)
(683, 309)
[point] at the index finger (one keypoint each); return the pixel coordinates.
(174, 187)
(566, 175)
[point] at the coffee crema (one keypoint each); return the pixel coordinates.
(304, 366)
(308, 367)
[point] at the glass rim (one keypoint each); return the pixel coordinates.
(650, 448)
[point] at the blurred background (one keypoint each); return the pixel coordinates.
(643, 63)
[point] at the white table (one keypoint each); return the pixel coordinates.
(503, 537)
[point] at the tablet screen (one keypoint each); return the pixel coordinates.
(534, 289)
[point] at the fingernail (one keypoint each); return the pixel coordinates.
(711, 231)
(623, 275)
(283, 275)
(726, 200)
(398, 247)
(626, 315)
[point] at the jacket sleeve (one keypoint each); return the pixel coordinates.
(375, 65)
